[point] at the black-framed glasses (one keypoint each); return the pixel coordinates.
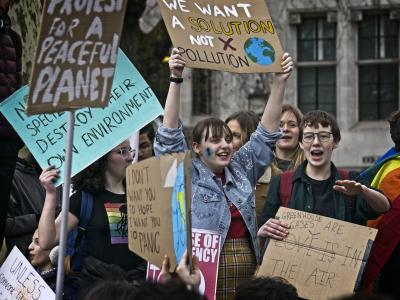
(323, 136)
(126, 152)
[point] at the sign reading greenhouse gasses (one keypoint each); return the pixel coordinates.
(229, 35)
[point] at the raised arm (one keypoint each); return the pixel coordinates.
(171, 111)
(49, 227)
(272, 113)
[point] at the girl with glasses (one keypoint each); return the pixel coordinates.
(106, 247)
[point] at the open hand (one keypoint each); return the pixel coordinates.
(349, 187)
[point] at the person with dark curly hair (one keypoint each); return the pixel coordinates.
(108, 256)
(271, 288)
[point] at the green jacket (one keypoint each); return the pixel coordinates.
(355, 211)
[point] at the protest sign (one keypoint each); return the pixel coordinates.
(159, 193)
(323, 258)
(76, 55)
(19, 280)
(206, 246)
(131, 106)
(223, 35)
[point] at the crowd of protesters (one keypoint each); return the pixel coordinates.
(238, 169)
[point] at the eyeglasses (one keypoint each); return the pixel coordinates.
(125, 152)
(323, 136)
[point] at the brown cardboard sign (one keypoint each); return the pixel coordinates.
(159, 195)
(224, 35)
(322, 257)
(76, 55)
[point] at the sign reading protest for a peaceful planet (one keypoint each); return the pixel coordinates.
(206, 246)
(132, 104)
(159, 193)
(224, 35)
(20, 281)
(323, 258)
(76, 55)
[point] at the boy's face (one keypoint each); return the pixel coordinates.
(215, 153)
(318, 145)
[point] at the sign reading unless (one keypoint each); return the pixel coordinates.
(76, 55)
(230, 35)
(206, 246)
(158, 200)
(323, 258)
(132, 105)
(20, 281)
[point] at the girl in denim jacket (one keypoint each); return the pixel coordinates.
(223, 181)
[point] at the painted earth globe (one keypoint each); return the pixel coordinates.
(259, 51)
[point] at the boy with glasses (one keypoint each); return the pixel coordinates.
(317, 186)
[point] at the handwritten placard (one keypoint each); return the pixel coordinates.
(224, 35)
(76, 55)
(132, 105)
(322, 257)
(158, 209)
(19, 280)
(206, 246)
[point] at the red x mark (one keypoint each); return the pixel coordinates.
(227, 44)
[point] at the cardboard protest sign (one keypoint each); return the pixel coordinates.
(223, 35)
(132, 105)
(206, 246)
(159, 193)
(76, 55)
(19, 280)
(323, 258)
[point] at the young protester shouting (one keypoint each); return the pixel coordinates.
(289, 155)
(223, 181)
(106, 248)
(317, 186)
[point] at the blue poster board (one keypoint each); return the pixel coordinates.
(132, 105)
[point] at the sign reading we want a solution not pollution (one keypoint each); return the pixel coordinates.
(224, 35)
(76, 55)
(132, 105)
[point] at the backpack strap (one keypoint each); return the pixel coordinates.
(344, 174)
(84, 217)
(285, 188)
(86, 209)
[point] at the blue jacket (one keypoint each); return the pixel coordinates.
(211, 199)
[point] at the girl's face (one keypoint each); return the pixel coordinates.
(290, 127)
(37, 256)
(215, 153)
(118, 159)
(234, 126)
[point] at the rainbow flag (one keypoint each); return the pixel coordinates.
(385, 176)
(118, 222)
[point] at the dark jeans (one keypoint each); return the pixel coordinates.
(8, 160)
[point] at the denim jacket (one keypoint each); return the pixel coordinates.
(211, 199)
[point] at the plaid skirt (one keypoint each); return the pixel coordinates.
(237, 262)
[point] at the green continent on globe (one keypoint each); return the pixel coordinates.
(259, 51)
